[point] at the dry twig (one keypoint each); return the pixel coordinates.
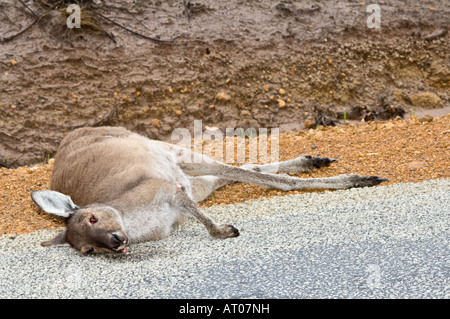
(132, 31)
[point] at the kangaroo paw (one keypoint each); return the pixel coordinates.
(363, 181)
(224, 231)
(318, 162)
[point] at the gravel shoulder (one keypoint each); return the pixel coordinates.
(385, 242)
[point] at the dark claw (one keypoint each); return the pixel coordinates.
(363, 181)
(318, 162)
(235, 231)
(224, 231)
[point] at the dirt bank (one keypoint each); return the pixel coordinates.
(231, 64)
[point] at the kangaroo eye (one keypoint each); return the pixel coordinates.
(93, 220)
(90, 250)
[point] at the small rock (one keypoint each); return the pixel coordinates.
(427, 100)
(416, 165)
(156, 123)
(266, 88)
(212, 128)
(313, 146)
(310, 122)
(426, 119)
(281, 103)
(282, 92)
(223, 96)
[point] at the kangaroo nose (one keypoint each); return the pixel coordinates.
(117, 239)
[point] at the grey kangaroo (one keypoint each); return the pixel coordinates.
(114, 187)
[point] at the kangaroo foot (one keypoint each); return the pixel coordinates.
(224, 231)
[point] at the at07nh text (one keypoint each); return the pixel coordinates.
(227, 308)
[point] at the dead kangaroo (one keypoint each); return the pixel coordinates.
(125, 188)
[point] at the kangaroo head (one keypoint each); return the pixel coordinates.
(90, 229)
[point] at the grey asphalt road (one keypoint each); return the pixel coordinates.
(382, 242)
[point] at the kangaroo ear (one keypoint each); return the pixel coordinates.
(57, 240)
(54, 203)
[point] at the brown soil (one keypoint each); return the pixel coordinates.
(225, 65)
(410, 150)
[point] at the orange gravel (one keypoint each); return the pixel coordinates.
(410, 150)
